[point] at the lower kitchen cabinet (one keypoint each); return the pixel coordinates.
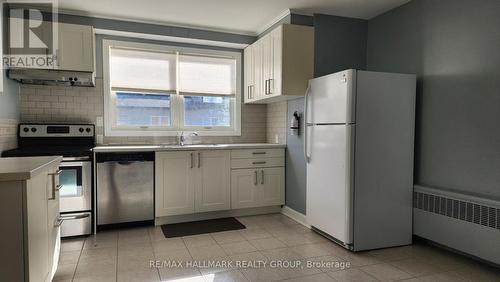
(188, 182)
(29, 211)
(192, 181)
(174, 183)
(245, 188)
(273, 186)
(257, 187)
(213, 189)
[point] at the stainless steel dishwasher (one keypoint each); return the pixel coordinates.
(125, 188)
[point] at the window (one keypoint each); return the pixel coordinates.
(157, 90)
(207, 111)
(142, 109)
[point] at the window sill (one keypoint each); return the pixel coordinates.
(146, 133)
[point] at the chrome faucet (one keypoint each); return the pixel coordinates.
(182, 138)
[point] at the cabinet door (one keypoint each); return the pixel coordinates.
(275, 77)
(244, 188)
(40, 38)
(213, 181)
(38, 194)
(52, 222)
(174, 183)
(249, 70)
(267, 63)
(272, 182)
(257, 90)
(76, 47)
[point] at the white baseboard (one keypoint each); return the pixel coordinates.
(295, 215)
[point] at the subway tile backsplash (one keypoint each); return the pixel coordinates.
(276, 122)
(8, 134)
(84, 104)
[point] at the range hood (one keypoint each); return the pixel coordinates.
(52, 77)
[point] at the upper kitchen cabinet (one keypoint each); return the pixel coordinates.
(76, 47)
(279, 65)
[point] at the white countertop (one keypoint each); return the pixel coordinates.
(145, 148)
(23, 168)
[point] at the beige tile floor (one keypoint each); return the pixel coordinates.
(125, 255)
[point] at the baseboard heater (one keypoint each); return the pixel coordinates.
(466, 223)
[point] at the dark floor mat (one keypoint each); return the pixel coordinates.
(201, 227)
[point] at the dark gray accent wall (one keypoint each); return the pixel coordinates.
(453, 46)
(149, 28)
(157, 29)
(295, 196)
(339, 44)
(302, 19)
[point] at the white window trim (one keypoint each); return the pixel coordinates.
(235, 130)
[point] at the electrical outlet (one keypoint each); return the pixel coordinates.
(99, 121)
(100, 139)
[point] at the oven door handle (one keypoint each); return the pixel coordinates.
(69, 164)
(62, 218)
(70, 159)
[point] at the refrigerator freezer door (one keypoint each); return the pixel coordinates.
(329, 180)
(331, 99)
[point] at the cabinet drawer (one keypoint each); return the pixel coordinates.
(261, 162)
(257, 153)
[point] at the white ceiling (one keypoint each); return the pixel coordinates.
(237, 16)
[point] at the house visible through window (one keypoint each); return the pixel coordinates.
(142, 109)
(161, 90)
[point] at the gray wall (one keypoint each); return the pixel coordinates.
(339, 44)
(9, 99)
(295, 196)
(157, 29)
(453, 46)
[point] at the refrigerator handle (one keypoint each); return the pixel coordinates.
(306, 98)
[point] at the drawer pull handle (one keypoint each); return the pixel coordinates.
(258, 153)
(61, 219)
(55, 175)
(255, 163)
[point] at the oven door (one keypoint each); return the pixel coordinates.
(76, 179)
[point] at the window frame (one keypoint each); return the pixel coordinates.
(176, 99)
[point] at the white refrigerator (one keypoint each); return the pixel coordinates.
(359, 153)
